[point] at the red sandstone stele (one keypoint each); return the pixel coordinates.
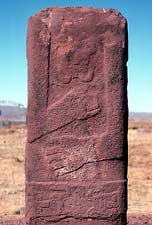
(76, 153)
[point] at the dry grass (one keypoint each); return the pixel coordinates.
(12, 145)
(140, 164)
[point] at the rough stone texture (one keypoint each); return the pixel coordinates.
(139, 219)
(14, 220)
(76, 155)
(131, 220)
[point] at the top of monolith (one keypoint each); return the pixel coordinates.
(113, 14)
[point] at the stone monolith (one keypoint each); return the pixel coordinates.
(76, 154)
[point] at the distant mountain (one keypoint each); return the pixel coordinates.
(10, 103)
(12, 111)
(140, 115)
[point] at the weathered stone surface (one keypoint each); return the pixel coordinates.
(14, 220)
(135, 219)
(139, 219)
(76, 155)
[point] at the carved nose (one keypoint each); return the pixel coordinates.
(86, 77)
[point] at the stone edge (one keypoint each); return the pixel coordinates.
(132, 219)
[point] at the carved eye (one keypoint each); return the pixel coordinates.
(86, 77)
(66, 79)
(69, 55)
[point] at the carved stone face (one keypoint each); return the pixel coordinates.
(76, 83)
(74, 67)
(75, 61)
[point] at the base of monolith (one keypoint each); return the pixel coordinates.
(132, 219)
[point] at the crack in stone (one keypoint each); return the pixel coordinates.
(49, 65)
(59, 168)
(48, 132)
(100, 218)
(89, 162)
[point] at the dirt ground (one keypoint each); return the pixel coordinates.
(140, 164)
(12, 147)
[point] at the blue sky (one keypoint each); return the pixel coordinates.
(13, 27)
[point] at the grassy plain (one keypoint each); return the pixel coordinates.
(140, 166)
(12, 147)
